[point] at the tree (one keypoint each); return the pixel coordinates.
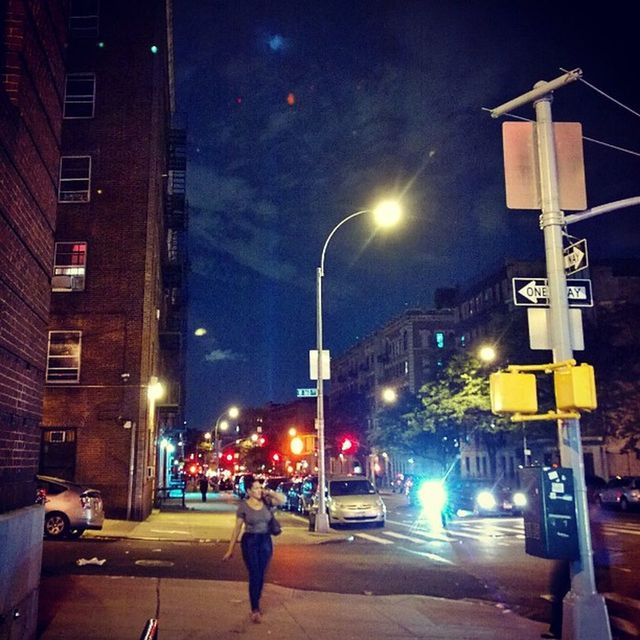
(457, 405)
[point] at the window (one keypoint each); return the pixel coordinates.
(79, 95)
(84, 18)
(439, 336)
(75, 179)
(63, 356)
(69, 266)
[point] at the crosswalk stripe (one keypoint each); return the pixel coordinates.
(432, 556)
(401, 536)
(366, 536)
(624, 531)
(625, 600)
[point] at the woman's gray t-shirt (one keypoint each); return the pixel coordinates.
(255, 521)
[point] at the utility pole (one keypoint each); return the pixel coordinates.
(584, 610)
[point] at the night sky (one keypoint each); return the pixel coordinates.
(300, 113)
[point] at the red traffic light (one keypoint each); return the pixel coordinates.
(347, 445)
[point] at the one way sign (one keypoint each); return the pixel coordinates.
(534, 292)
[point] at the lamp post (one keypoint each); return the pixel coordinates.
(387, 214)
(232, 412)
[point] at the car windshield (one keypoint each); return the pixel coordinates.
(350, 488)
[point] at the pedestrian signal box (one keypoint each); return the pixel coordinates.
(575, 388)
(513, 392)
(550, 522)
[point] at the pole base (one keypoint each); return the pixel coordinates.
(322, 523)
(585, 618)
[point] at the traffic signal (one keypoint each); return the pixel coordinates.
(347, 445)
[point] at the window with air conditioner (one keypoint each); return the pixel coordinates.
(75, 179)
(84, 18)
(69, 266)
(63, 356)
(79, 95)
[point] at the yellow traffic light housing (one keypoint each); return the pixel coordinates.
(513, 392)
(575, 388)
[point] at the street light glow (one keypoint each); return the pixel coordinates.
(387, 213)
(487, 353)
(389, 395)
(233, 412)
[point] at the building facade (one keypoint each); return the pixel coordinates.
(32, 63)
(115, 365)
(616, 299)
(402, 355)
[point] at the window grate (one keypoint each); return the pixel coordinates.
(79, 96)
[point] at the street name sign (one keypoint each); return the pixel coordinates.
(576, 257)
(307, 393)
(534, 292)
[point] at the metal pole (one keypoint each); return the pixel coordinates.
(322, 520)
(132, 469)
(585, 614)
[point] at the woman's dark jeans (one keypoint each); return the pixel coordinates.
(257, 550)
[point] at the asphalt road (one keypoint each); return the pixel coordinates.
(474, 558)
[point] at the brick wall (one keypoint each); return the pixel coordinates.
(31, 92)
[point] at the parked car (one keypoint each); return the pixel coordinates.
(69, 509)
(467, 496)
(621, 492)
(350, 500)
(595, 484)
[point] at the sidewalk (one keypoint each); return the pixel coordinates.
(116, 608)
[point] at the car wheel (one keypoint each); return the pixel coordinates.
(56, 525)
(624, 504)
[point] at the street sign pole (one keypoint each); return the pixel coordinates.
(585, 613)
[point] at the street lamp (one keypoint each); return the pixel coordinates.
(386, 214)
(232, 412)
(487, 353)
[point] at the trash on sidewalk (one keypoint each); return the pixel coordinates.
(82, 561)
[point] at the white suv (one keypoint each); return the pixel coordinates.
(351, 500)
(69, 509)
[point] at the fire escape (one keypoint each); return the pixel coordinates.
(174, 281)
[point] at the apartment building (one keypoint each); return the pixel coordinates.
(31, 89)
(115, 364)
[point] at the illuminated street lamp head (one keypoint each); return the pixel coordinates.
(487, 353)
(155, 390)
(389, 395)
(387, 213)
(233, 412)
(207, 436)
(224, 425)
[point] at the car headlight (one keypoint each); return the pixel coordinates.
(520, 499)
(486, 500)
(432, 495)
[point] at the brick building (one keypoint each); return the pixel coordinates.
(31, 59)
(118, 303)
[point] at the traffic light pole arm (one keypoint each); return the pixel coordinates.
(603, 208)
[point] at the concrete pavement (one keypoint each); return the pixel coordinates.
(116, 608)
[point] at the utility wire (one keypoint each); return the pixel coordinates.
(606, 95)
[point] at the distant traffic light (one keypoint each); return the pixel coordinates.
(347, 445)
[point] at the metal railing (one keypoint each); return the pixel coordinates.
(150, 631)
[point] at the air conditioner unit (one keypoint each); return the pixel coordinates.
(61, 283)
(67, 283)
(57, 436)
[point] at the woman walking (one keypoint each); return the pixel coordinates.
(254, 515)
